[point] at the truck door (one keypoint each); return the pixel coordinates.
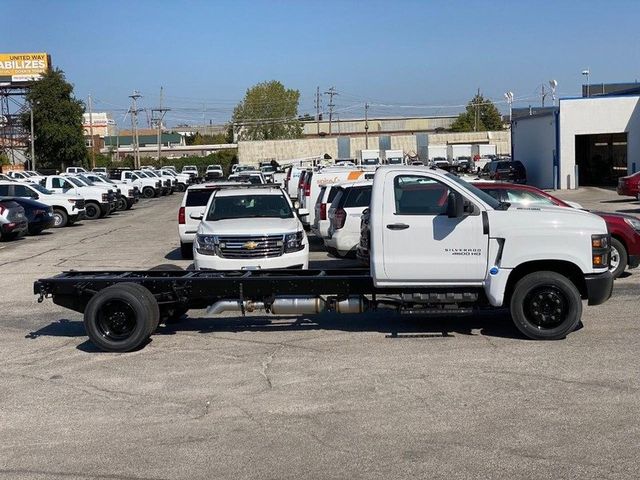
(421, 243)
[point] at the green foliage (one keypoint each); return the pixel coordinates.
(198, 139)
(269, 111)
(4, 159)
(226, 158)
(57, 119)
(481, 115)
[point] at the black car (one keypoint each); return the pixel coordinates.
(505, 171)
(39, 216)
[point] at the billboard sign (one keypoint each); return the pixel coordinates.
(17, 68)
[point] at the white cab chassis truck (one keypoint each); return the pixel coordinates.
(439, 246)
(98, 202)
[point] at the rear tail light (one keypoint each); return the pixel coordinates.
(2, 209)
(181, 216)
(307, 189)
(340, 216)
(301, 181)
(288, 175)
(323, 211)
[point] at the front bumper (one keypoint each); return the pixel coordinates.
(599, 287)
(287, 260)
(342, 240)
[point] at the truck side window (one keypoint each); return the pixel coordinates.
(56, 183)
(22, 191)
(416, 195)
(4, 191)
(66, 185)
(127, 175)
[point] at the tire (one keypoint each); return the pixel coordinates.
(92, 211)
(121, 317)
(619, 258)
(148, 192)
(186, 251)
(105, 212)
(121, 204)
(546, 306)
(174, 312)
(181, 187)
(60, 218)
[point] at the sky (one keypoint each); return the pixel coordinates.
(403, 57)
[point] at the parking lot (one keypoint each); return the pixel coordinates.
(329, 396)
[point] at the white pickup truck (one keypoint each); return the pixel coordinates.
(98, 202)
(439, 247)
(149, 187)
(67, 209)
(128, 193)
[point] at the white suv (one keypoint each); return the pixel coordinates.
(246, 228)
(344, 217)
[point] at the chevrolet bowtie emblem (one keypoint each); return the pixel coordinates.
(250, 245)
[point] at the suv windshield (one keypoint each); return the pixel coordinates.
(485, 197)
(249, 206)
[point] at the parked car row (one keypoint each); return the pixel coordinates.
(31, 203)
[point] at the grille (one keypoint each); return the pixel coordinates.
(80, 204)
(251, 247)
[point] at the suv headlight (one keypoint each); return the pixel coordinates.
(293, 242)
(206, 244)
(633, 223)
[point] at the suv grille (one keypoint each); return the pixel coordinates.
(80, 203)
(251, 247)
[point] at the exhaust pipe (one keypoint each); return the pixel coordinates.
(293, 305)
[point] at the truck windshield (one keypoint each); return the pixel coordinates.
(76, 182)
(249, 206)
(41, 189)
(485, 197)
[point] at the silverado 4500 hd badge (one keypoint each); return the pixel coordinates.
(464, 251)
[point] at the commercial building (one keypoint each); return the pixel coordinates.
(584, 141)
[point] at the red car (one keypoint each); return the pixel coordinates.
(629, 186)
(624, 229)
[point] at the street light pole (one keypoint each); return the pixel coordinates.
(366, 126)
(33, 149)
(509, 97)
(586, 72)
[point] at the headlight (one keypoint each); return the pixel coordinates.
(293, 242)
(633, 223)
(600, 250)
(206, 244)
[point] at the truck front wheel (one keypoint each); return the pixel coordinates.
(60, 218)
(121, 317)
(148, 192)
(546, 306)
(92, 211)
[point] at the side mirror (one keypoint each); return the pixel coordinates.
(197, 216)
(35, 196)
(455, 205)
(302, 212)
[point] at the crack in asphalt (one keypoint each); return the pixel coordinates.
(264, 370)
(83, 474)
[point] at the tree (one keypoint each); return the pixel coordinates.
(57, 122)
(198, 139)
(481, 115)
(269, 111)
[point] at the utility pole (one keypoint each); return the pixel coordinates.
(158, 121)
(93, 150)
(366, 125)
(331, 92)
(543, 94)
(134, 126)
(318, 110)
(33, 149)
(477, 104)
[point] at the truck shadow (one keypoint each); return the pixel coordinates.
(392, 325)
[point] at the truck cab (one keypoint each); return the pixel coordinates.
(149, 187)
(97, 201)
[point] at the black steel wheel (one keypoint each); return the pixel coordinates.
(181, 187)
(148, 192)
(546, 306)
(121, 317)
(92, 211)
(121, 204)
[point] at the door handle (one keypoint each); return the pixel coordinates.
(398, 226)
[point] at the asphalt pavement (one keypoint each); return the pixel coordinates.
(360, 397)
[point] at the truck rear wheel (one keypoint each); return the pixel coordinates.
(148, 192)
(546, 306)
(121, 204)
(121, 317)
(60, 218)
(92, 211)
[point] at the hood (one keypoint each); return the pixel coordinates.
(548, 217)
(250, 226)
